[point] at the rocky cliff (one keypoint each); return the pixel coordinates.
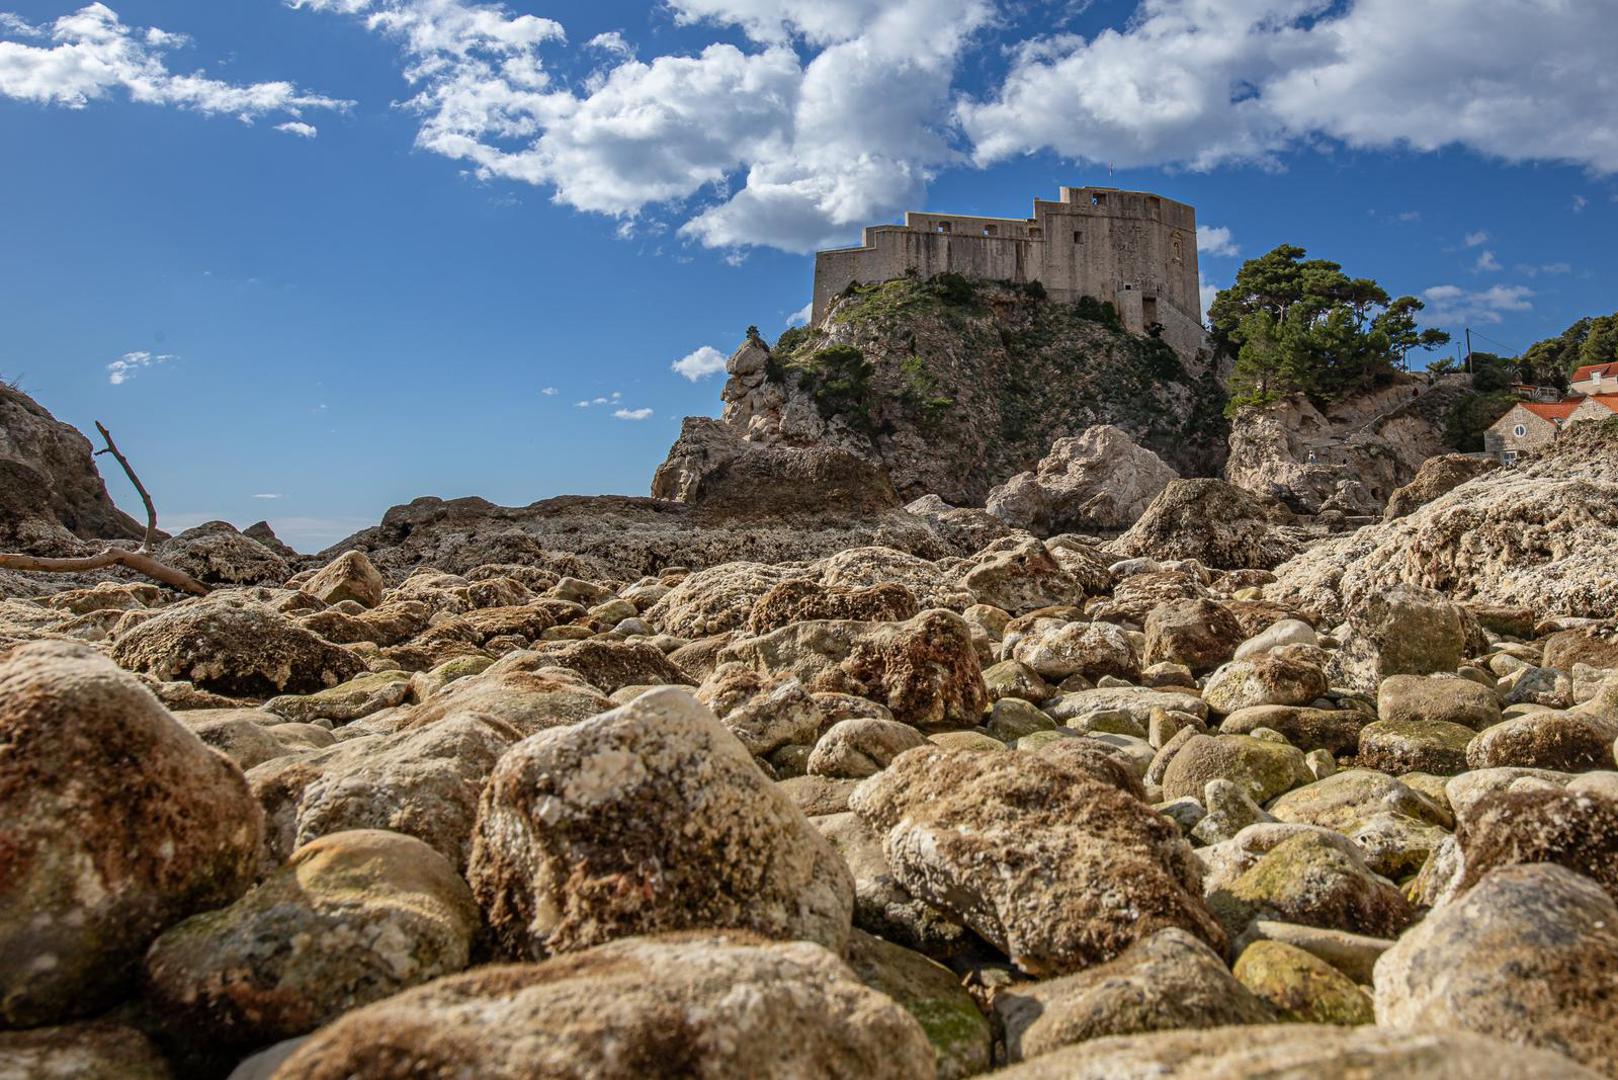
(953, 386)
(1349, 457)
(51, 495)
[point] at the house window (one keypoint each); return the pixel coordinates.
(1511, 457)
(1521, 431)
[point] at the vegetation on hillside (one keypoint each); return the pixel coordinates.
(1303, 326)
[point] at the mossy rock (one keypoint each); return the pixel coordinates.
(1302, 987)
(1428, 746)
(960, 1034)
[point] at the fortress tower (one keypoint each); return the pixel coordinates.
(1132, 248)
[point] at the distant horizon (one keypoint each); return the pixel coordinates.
(310, 259)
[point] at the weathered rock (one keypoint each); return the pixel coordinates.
(1201, 634)
(855, 749)
(1300, 986)
(348, 577)
(100, 1050)
(1091, 649)
(1344, 800)
(1296, 1050)
(1314, 880)
(966, 527)
(216, 554)
(883, 906)
(1403, 746)
(1277, 634)
(1334, 730)
(1100, 481)
(1019, 575)
(648, 818)
(1219, 525)
(1355, 955)
(358, 697)
(352, 918)
(1437, 476)
(115, 821)
(1575, 829)
(243, 735)
(1169, 981)
(1261, 768)
(705, 1006)
(1271, 678)
(1567, 741)
(1593, 645)
(1396, 845)
(960, 1034)
(241, 651)
(801, 600)
(1402, 630)
(1407, 698)
(422, 782)
(925, 670)
(1527, 955)
(1537, 537)
(521, 689)
(1056, 869)
(605, 664)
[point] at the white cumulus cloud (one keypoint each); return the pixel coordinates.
(549, 391)
(91, 53)
(298, 128)
(700, 363)
(1216, 241)
(1487, 263)
(1477, 239)
(632, 414)
(1452, 304)
(130, 364)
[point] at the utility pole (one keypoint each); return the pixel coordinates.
(1469, 349)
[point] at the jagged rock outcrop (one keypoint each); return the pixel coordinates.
(1218, 524)
(954, 387)
(1099, 481)
(1312, 460)
(1437, 476)
(1540, 536)
(50, 491)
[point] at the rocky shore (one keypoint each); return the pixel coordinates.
(1120, 774)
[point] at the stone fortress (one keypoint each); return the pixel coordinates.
(1132, 248)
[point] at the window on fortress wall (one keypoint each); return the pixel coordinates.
(1078, 236)
(943, 226)
(1035, 232)
(989, 230)
(1179, 250)
(1098, 200)
(1154, 204)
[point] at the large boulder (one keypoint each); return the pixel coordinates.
(352, 918)
(1055, 867)
(649, 818)
(246, 650)
(925, 670)
(115, 822)
(421, 781)
(1527, 955)
(1575, 829)
(1199, 633)
(1219, 525)
(1402, 630)
(350, 576)
(1093, 650)
(803, 599)
(216, 554)
(706, 1006)
(1099, 481)
(1437, 476)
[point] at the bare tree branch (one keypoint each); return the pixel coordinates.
(151, 511)
(139, 560)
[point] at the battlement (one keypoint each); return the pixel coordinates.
(1133, 249)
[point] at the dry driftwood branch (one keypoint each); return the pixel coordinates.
(140, 560)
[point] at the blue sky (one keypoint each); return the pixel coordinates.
(311, 259)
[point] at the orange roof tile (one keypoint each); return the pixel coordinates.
(1589, 370)
(1609, 400)
(1559, 411)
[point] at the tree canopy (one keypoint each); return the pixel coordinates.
(1302, 325)
(1588, 341)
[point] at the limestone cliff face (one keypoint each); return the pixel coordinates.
(1350, 457)
(953, 387)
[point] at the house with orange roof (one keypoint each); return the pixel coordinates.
(1595, 380)
(1530, 425)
